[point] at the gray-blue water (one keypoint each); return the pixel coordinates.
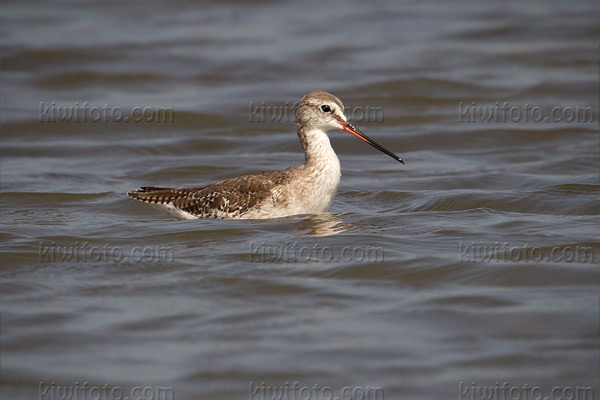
(474, 265)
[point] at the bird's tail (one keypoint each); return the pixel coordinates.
(157, 195)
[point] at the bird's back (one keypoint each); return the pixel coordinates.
(233, 198)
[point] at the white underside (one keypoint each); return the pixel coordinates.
(175, 212)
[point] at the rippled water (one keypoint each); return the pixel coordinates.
(470, 264)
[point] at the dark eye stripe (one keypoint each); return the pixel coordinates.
(325, 108)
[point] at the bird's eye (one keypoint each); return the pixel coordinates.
(325, 108)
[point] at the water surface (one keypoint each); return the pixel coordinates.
(415, 285)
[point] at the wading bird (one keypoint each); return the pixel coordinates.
(308, 188)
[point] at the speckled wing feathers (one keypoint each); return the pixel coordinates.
(227, 199)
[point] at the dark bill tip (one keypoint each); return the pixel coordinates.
(347, 127)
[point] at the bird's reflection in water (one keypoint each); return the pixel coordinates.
(324, 224)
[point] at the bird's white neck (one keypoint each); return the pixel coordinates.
(321, 169)
(318, 153)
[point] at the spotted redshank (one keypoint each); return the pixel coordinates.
(308, 188)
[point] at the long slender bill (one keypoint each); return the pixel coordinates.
(353, 130)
